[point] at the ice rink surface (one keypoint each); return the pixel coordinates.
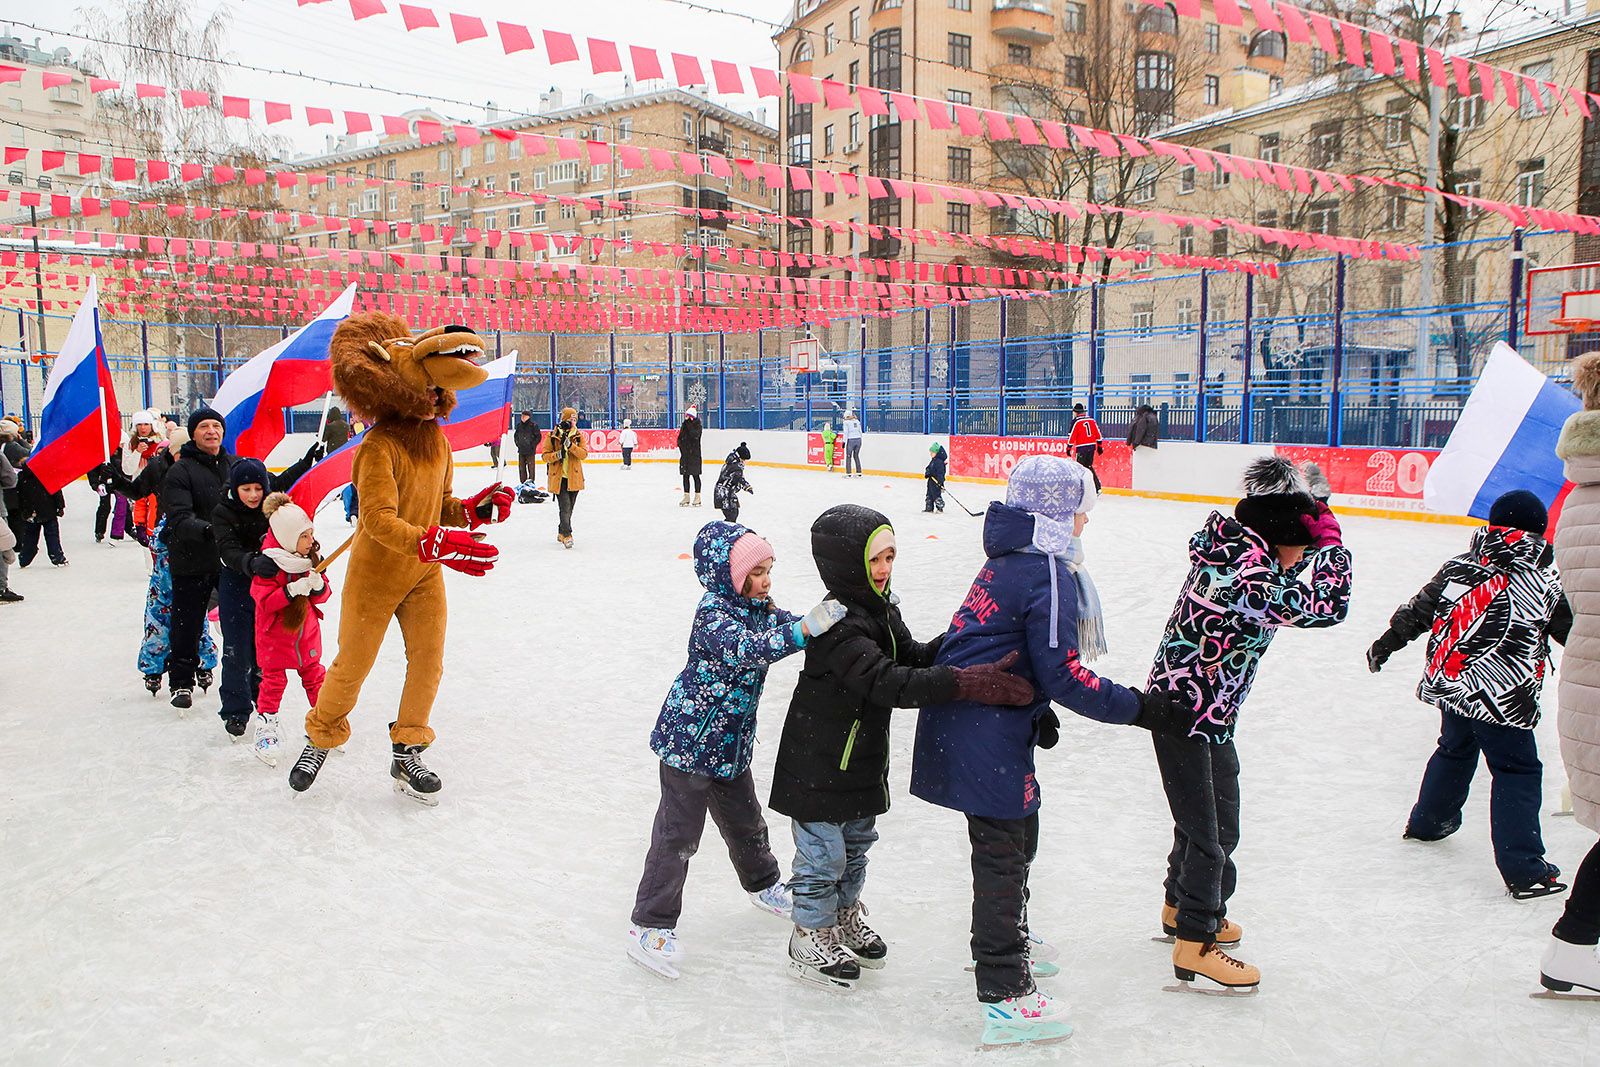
(165, 898)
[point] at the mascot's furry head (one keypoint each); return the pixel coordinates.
(385, 372)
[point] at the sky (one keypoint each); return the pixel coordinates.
(418, 69)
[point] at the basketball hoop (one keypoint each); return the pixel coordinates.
(1576, 325)
(803, 355)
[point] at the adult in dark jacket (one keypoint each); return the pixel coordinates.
(336, 431)
(526, 437)
(193, 488)
(832, 770)
(934, 472)
(731, 482)
(689, 464)
(41, 513)
(238, 525)
(1031, 598)
(1145, 431)
(16, 454)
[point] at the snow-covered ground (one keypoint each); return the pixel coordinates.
(164, 897)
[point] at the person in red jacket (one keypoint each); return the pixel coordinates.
(1086, 441)
(288, 616)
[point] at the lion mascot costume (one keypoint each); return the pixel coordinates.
(410, 526)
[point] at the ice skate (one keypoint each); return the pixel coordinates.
(1565, 966)
(412, 777)
(1037, 968)
(152, 682)
(305, 769)
(696, 500)
(1032, 1018)
(8, 596)
(1547, 885)
(1228, 934)
(202, 678)
(1042, 951)
(566, 540)
(235, 725)
(266, 743)
(774, 899)
(655, 950)
(817, 957)
(1224, 975)
(863, 942)
(684, 502)
(1443, 832)
(182, 699)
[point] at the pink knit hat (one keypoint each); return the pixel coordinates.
(747, 552)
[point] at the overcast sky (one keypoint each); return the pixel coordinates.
(323, 41)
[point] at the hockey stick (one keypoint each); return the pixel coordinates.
(945, 489)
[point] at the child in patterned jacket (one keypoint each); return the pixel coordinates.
(705, 737)
(1243, 585)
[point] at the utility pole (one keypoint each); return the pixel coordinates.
(38, 281)
(1430, 208)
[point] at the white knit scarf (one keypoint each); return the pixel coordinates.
(1055, 540)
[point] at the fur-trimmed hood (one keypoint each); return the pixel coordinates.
(1580, 436)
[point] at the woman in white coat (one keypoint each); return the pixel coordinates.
(1570, 959)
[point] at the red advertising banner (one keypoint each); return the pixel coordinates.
(1386, 475)
(604, 442)
(993, 457)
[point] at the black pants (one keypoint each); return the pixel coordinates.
(935, 496)
(191, 598)
(1002, 852)
(1202, 784)
(1580, 923)
(686, 479)
(731, 512)
(1515, 792)
(526, 466)
(28, 541)
(675, 837)
(566, 500)
(1085, 457)
(241, 678)
(627, 457)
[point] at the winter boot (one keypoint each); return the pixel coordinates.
(1228, 934)
(655, 950)
(411, 776)
(1545, 885)
(305, 769)
(1029, 1018)
(182, 698)
(862, 941)
(697, 500)
(1204, 959)
(1443, 832)
(775, 899)
(8, 596)
(235, 725)
(816, 956)
(152, 682)
(266, 739)
(684, 502)
(1566, 965)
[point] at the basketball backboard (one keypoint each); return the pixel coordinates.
(1561, 299)
(804, 354)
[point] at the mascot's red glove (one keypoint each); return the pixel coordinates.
(457, 549)
(489, 505)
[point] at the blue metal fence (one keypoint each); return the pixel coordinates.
(1329, 351)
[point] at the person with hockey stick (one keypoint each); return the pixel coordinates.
(725, 494)
(1244, 583)
(1485, 681)
(933, 473)
(1034, 599)
(832, 772)
(705, 737)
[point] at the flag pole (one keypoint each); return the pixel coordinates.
(322, 423)
(105, 431)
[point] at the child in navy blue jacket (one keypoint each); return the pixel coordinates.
(705, 736)
(1031, 600)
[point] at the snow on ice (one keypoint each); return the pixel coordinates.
(167, 899)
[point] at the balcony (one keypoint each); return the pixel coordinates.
(885, 16)
(1024, 21)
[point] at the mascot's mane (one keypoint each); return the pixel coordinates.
(370, 384)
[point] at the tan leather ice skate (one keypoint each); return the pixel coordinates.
(1229, 935)
(1191, 958)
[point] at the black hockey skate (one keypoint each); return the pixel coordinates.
(305, 769)
(152, 682)
(1547, 885)
(182, 698)
(235, 725)
(202, 678)
(412, 777)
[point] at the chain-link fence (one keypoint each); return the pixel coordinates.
(1328, 351)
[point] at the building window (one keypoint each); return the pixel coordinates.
(1323, 216)
(1072, 17)
(1274, 85)
(1530, 183)
(416, 181)
(1072, 71)
(688, 123)
(1326, 143)
(1267, 147)
(539, 215)
(1144, 317)
(1220, 177)
(1319, 62)
(1470, 184)
(1469, 112)
(855, 24)
(1396, 115)
(1213, 38)
(1144, 188)
(513, 217)
(884, 60)
(1213, 89)
(466, 156)
(958, 218)
(1394, 210)
(1183, 311)
(601, 171)
(960, 5)
(1267, 44)
(539, 178)
(1019, 54)
(514, 151)
(958, 96)
(1219, 241)
(1153, 82)
(1267, 219)
(827, 140)
(1186, 179)
(1186, 241)
(444, 199)
(514, 184)
(855, 129)
(565, 171)
(1531, 102)
(394, 203)
(625, 129)
(444, 161)
(369, 200)
(960, 164)
(830, 39)
(488, 151)
(568, 212)
(883, 158)
(959, 46)
(1161, 19)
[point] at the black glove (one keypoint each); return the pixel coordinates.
(1377, 656)
(262, 567)
(1049, 728)
(1161, 713)
(565, 426)
(315, 452)
(988, 683)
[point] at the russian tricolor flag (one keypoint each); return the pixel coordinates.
(296, 370)
(1505, 439)
(482, 414)
(80, 424)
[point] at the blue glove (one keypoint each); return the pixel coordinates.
(820, 619)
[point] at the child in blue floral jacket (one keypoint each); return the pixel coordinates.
(705, 736)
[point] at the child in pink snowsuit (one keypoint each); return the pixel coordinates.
(288, 615)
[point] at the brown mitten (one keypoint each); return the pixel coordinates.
(988, 683)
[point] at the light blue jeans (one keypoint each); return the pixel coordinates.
(830, 868)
